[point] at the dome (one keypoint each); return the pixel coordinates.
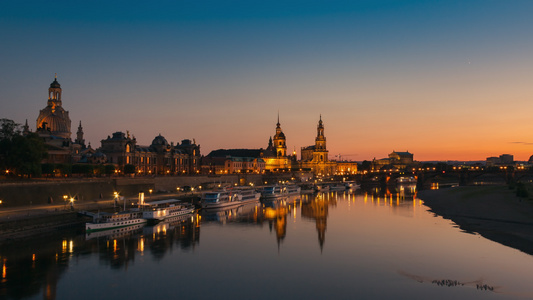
(56, 124)
(281, 135)
(159, 140)
(55, 84)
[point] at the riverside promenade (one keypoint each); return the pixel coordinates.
(494, 212)
(28, 221)
(29, 211)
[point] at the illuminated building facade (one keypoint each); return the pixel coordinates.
(230, 161)
(159, 158)
(53, 126)
(396, 160)
(315, 157)
(275, 156)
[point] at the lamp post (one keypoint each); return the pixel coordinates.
(115, 196)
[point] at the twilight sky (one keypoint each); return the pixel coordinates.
(443, 79)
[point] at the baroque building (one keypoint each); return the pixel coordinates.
(396, 160)
(315, 157)
(275, 156)
(53, 126)
(159, 157)
(229, 161)
(272, 159)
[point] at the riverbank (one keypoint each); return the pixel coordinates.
(29, 221)
(495, 212)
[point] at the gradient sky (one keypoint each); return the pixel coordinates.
(446, 80)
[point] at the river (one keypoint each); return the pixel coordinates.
(335, 245)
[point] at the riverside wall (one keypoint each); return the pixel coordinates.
(24, 193)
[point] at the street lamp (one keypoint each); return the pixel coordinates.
(115, 196)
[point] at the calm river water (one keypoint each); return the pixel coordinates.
(332, 245)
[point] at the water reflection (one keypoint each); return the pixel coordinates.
(377, 222)
(32, 266)
(36, 265)
(316, 209)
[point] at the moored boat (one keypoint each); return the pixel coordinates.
(351, 185)
(105, 221)
(160, 210)
(321, 187)
(337, 186)
(248, 194)
(293, 190)
(272, 192)
(221, 198)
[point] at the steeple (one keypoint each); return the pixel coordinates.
(79, 136)
(26, 128)
(320, 141)
(279, 141)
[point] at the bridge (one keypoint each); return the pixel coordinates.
(432, 176)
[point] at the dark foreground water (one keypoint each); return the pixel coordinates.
(325, 246)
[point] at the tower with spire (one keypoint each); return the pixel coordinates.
(280, 144)
(320, 141)
(79, 137)
(53, 126)
(275, 157)
(315, 157)
(53, 119)
(320, 153)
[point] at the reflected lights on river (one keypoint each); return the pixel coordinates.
(375, 244)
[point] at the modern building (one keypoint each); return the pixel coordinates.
(502, 160)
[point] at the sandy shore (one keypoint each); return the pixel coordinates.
(495, 212)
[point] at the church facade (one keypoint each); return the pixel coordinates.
(275, 156)
(315, 157)
(54, 127)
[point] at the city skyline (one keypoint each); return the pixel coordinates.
(445, 81)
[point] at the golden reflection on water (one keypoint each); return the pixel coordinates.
(4, 269)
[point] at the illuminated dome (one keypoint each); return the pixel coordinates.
(53, 119)
(56, 124)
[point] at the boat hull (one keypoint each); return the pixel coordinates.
(91, 227)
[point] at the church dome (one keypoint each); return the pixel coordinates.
(55, 84)
(56, 124)
(159, 140)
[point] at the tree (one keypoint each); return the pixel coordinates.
(20, 154)
(8, 129)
